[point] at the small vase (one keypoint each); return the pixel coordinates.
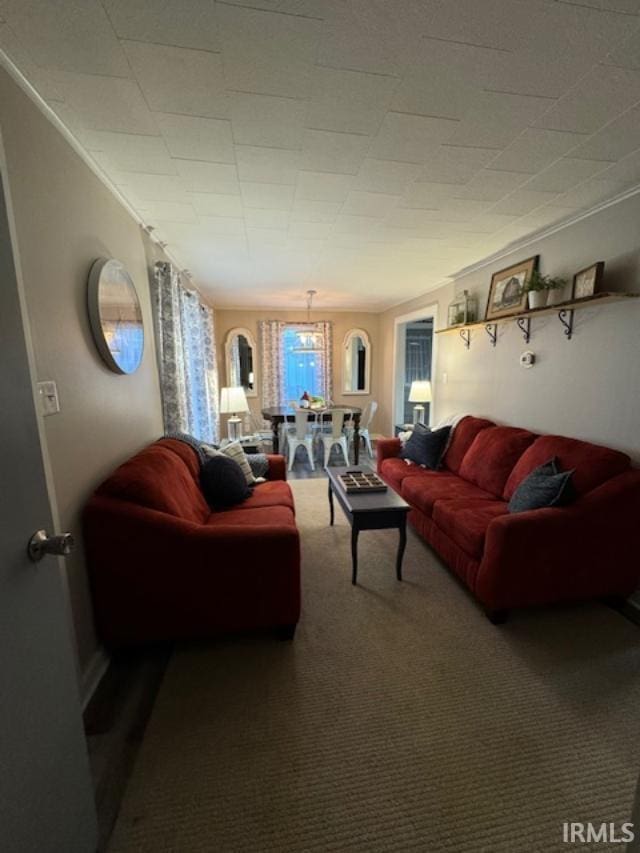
(537, 298)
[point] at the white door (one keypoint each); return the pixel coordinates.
(46, 796)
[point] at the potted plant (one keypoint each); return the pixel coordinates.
(556, 290)
(538, 287)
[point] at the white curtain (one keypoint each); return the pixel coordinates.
(272, 350)
(186, 357)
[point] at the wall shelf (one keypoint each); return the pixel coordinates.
(563, 310)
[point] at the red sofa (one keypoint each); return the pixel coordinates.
(585, 550)
(163, 566)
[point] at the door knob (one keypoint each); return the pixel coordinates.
(41, 543)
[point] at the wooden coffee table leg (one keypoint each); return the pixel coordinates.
(354, 552)
(402, 529)
(331, 512)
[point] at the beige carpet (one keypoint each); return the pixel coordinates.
(398, 720)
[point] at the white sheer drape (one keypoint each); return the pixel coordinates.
(186, 357)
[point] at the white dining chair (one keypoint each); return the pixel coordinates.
(365, 422)
(300, 436)
(336, 436)
(321, 421)
(287, 428)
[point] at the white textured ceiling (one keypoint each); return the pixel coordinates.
(364, 148)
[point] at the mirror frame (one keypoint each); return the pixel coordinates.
(228, 344)
(360, 333)
(95, 306)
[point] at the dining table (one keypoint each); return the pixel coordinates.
(277, 415)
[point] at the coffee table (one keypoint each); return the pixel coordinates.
(373, 511)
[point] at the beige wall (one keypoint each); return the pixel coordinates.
(65, 219)
(588, 387)
(342, 322)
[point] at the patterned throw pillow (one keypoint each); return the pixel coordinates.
(544, 487)
(236, 452)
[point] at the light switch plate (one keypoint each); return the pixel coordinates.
(48, 396)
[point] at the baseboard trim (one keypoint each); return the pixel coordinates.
(93, 675)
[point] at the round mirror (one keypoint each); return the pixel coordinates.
(242, 371)
(115, 316)
(356, 366)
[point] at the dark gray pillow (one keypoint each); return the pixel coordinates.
(259, 464)
(223, 482)
(425, 447)
(545, 486)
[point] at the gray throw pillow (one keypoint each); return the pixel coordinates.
(259, 465)
(544, 487)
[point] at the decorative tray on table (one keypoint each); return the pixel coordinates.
(361, 482)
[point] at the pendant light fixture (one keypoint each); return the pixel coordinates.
(309, 340)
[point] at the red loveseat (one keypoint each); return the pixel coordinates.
(163, 566)
(588, 549)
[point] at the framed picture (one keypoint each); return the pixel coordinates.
(588, 281)
(506, 294)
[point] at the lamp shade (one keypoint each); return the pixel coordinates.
(420, 391)
(233, 400)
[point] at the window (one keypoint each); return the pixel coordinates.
(303, 371)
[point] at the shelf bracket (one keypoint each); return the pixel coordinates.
(492, 330)
(524, 324)
(465, 334)
(565, 315)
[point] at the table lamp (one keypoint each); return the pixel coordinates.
(420, 393)
(232, 401)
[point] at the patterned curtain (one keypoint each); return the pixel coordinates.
(186, 357)
(326, 327)
(272, 350)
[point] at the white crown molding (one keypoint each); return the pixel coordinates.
(542, 234)
(523, 243)
(11, 68)
(7, 63)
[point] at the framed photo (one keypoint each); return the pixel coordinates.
(506, 294)
(588, 281)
